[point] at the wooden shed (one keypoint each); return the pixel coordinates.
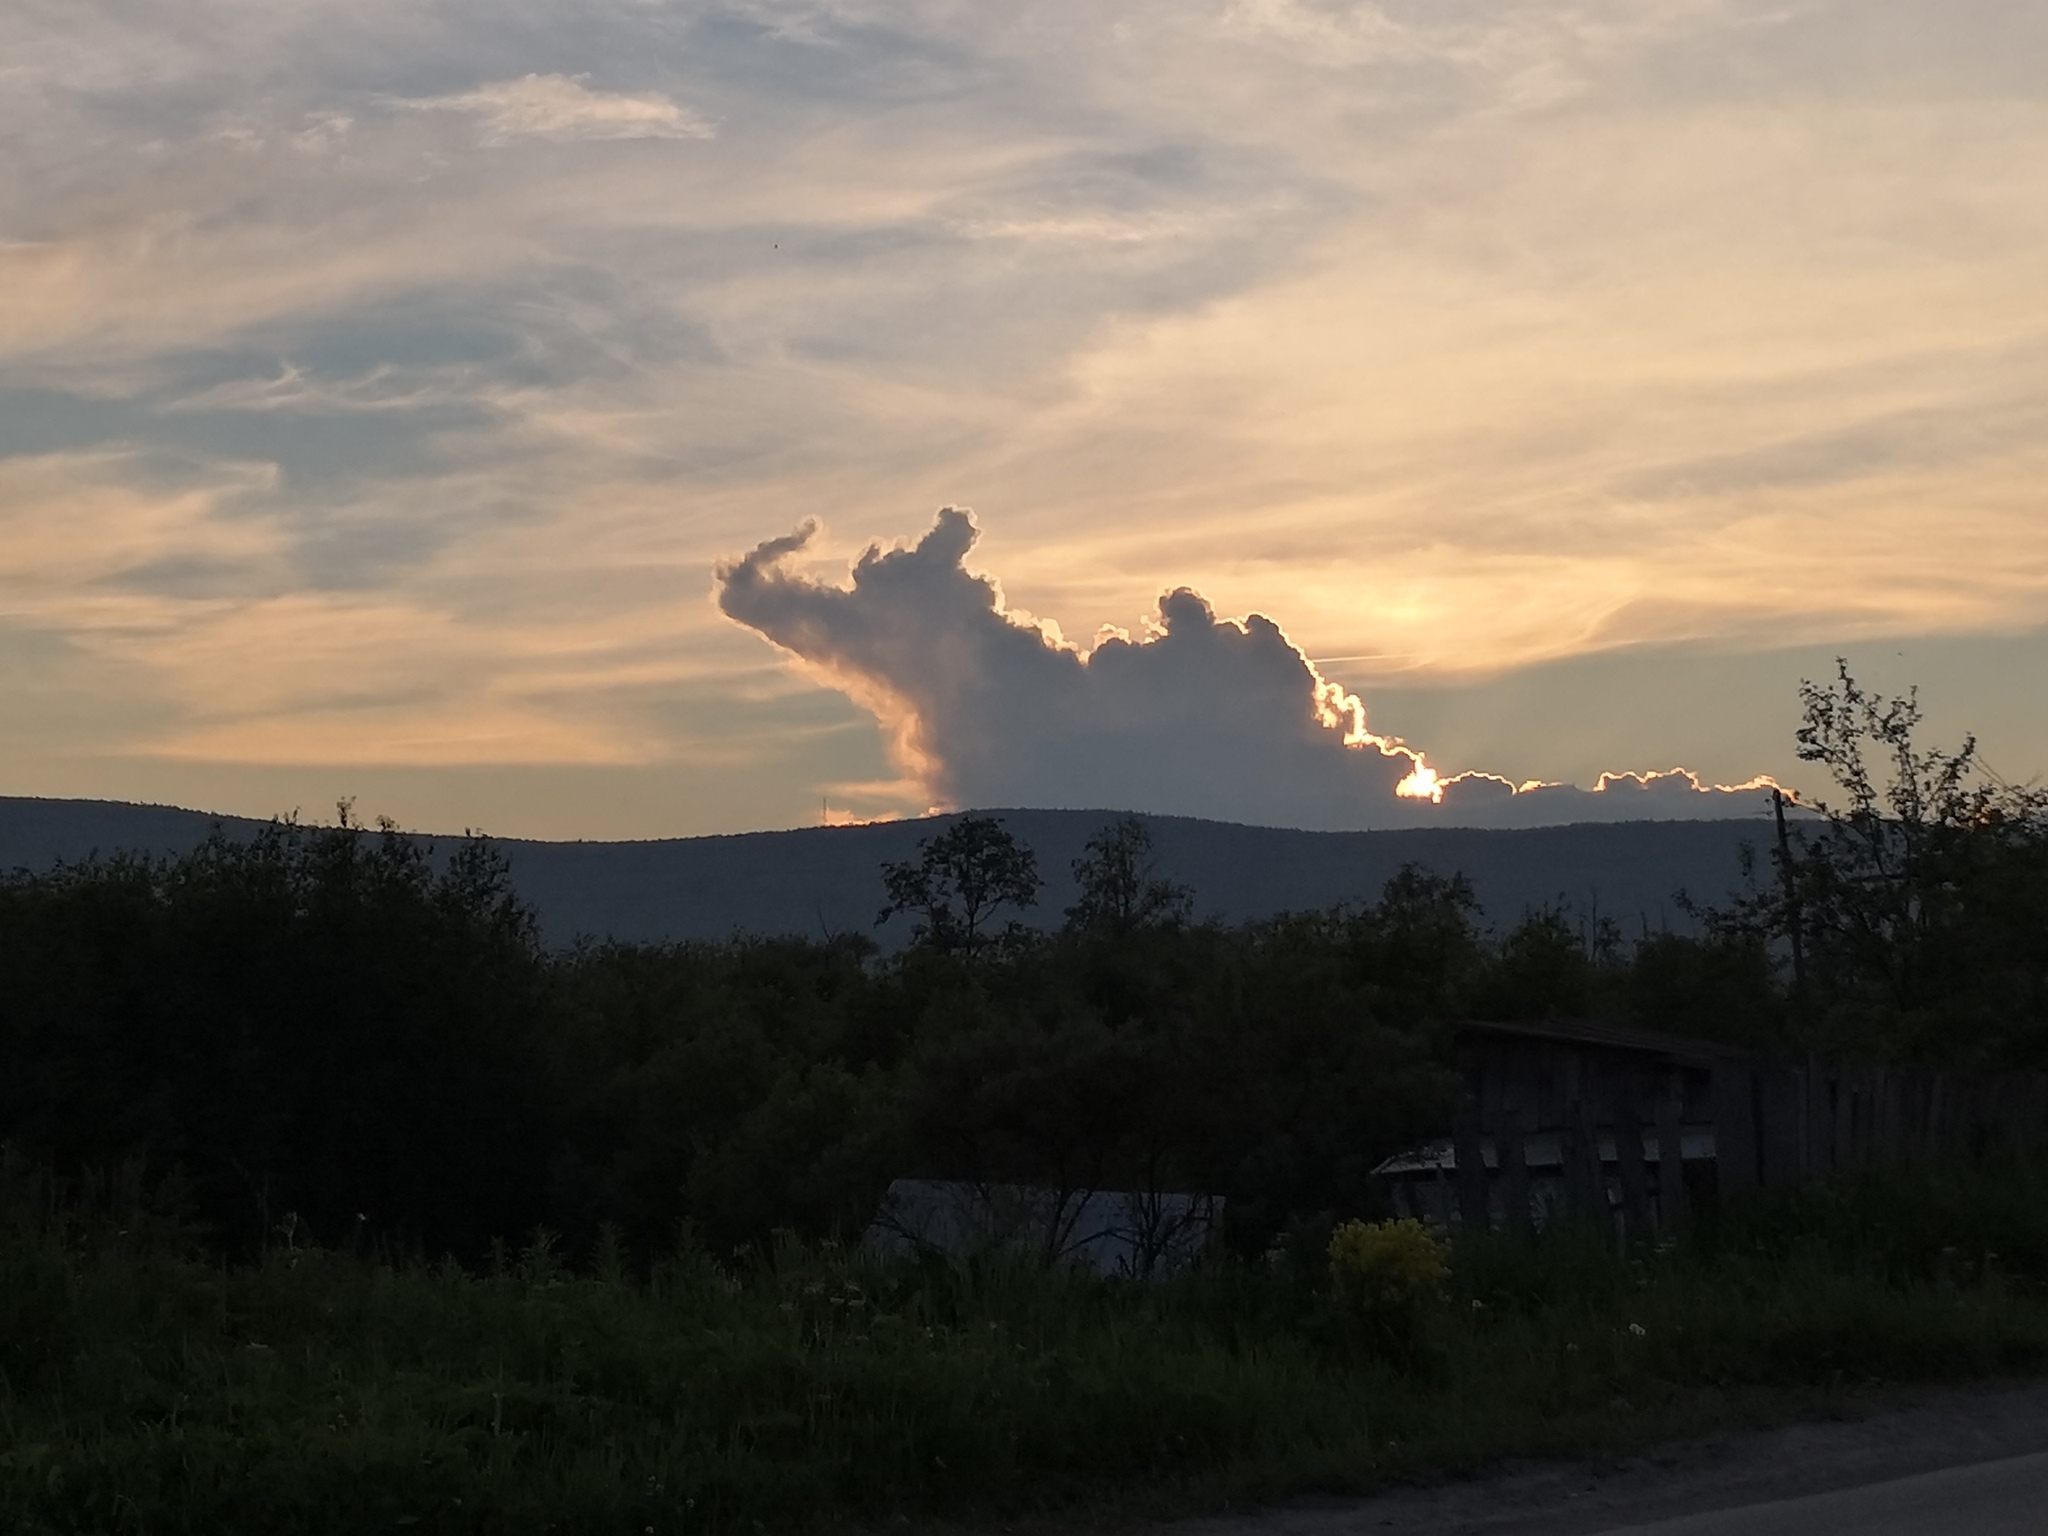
(1571, 1116)
(1578, 1116)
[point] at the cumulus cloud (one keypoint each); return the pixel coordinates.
(1201, 716)
(563, 107)
(1670, 794)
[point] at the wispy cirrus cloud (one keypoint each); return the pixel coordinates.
(565, 107)
(1468, 337)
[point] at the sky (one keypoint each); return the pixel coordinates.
(389, 395)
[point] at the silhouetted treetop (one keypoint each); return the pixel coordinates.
(1917, 906)
(962, 877)
(1119, 888)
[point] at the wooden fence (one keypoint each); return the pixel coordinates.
(1587, 1117)
(1780, 1122)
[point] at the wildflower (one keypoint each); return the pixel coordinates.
(1389, 1273)
(1387, 1263)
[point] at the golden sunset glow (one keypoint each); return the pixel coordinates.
(1422, 784)
(385, 425)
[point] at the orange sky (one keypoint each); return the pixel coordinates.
(379, 388)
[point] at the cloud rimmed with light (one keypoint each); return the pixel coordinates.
(1201, 716)
(378, 382)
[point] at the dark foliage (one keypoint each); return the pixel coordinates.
(345, 1032)
(1119, 884)
(322, 1024)
(963, 876)
(341, 1032)
(145, 1386)
(1912, 921)
(345, 1047)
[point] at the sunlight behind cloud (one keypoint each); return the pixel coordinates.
(1464, 338)
(1204, 716)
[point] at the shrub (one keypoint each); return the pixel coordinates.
(1387, 1273)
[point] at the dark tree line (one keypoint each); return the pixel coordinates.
(341, 1027)
(318, 1020)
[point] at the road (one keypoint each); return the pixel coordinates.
(1994, 1498)
(1968, 1462)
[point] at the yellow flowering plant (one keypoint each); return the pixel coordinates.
(1386, 1272)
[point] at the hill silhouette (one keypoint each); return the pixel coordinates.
(825, 879)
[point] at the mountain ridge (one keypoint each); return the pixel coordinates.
(825, 880)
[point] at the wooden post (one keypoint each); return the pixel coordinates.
(1472, 1201)
(1914, 1115)
(1628, 1161)
(1824, 1094)
(1671, 1156)
(1735, 1128)
(1805, 1079)
(1781, 1126)
(1509, 1141)
(1584, 1177)
(1888, 1134)
(1472, 1212)
(1789, 884)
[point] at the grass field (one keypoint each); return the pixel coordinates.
(147, 1387)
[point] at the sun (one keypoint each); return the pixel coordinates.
(1423, 784)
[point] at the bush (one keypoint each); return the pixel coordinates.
(1388, 1273)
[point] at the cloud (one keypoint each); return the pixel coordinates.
(563, 107)
(1202, 716)
(1560, 330)
(104, 539)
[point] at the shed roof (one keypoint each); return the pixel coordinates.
(1612, 1037)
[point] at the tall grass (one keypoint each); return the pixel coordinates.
(146, 1387)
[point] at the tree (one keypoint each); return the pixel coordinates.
(1547, 968)
(961, 878)
(1918, 908)
(1119, 891)
(1419, 947)
(1925, 790)
(328, 1022)
(1056, 1103)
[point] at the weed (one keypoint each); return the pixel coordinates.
(145, 1385)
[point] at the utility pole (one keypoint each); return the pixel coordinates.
(1791, 889)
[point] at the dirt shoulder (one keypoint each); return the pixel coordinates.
(1875, 1440)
